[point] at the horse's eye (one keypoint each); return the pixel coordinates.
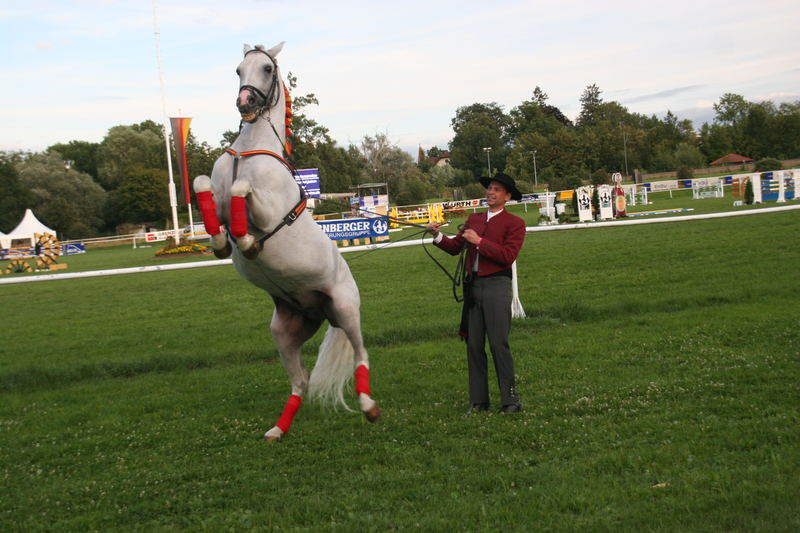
(237, 72)
(268, 69)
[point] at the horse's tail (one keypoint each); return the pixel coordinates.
(334, 368)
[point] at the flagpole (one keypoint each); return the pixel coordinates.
(173, 199)
(180, 135)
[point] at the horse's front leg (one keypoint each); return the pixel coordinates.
(291, 330)
(246, 242)
(208, 209)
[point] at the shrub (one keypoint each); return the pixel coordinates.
(748, 192)
(575, 203)
(685, 173)
(599, 177)
(767, 164)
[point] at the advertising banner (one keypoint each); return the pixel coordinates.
(155, 236)
(73, 248)
(462, 204)
(666, 185)
(584, 203)
(604, 194)
(308, 178)
(354, 228)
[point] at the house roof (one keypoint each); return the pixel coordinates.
(442, 155)
(731, 158)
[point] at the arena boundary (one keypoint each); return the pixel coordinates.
(366, 247)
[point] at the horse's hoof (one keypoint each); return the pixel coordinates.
(252, 252)
(273, 435)
(373, 413)
(225, 252)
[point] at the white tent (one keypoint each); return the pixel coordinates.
(25, 231)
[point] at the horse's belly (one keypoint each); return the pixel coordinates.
(298, 281)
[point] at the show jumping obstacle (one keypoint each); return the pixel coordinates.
(255, 211)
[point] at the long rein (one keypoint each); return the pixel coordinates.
(457, 278)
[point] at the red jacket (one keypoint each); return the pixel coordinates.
(502, 238)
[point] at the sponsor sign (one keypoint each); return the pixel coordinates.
(700, 183)
(584, 204)
(73, 248)
(462, 204)
(308, 178)
(604, 196)
(354, 228)
(155, 236)
(666, 185)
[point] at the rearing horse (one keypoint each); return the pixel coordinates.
(253, 200)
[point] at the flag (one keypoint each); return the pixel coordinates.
(180, 132)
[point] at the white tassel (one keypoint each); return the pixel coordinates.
(516, 306)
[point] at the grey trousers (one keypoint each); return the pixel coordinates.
(490, 317)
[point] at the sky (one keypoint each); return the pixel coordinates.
(72, 69)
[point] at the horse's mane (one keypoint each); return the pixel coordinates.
(288, 120)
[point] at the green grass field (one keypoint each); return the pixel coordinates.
(658, 368)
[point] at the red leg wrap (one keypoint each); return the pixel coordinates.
(208, 209)
(238, 216)
(292, 405)
(362, 380)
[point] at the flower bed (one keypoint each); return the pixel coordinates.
(184, 248)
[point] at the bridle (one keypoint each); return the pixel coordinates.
(272, 96)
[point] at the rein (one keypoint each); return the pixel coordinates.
(457, 278)
(298, 208)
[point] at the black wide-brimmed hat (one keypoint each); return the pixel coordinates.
(507, 181)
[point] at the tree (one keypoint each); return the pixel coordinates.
(141, 197)
(600, 177)
(476, 127)
(412, 191)
(16, 197)
(688, 155)
(384, 162)
(590, 105)
(467, 149)
(787, 123)
(67, 200)
(490, 115)
(731, 109)
(123, 147)
(81, 154)
(715, 141)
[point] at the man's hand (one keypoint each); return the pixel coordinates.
(433, 228)
(471, 236)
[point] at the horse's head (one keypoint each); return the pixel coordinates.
(258, 81)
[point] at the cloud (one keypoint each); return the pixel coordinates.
(662, 94)
(44, 45)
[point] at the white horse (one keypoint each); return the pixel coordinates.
(279, 247)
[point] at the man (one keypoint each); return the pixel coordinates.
(493, 240)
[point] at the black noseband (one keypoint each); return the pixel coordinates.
(266, 100)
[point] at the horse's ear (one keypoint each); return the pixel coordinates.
(246, 48)
(273, 52)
